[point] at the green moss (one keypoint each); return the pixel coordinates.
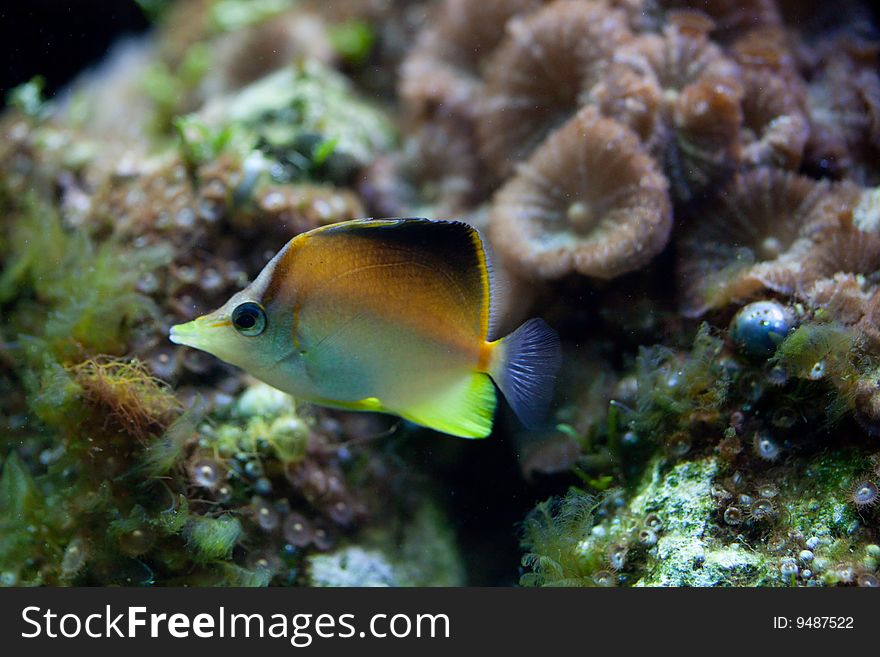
(201, 143)
(173, 519)
(232, 575)
(812, 345)
(552, 534)
(18, 493)
(228, 15)
(353, 40)
(24, 537)
(674, 388)
(28, 98)
(308, 119)
(168, 88)
(167, 452)
(827, 353)
(153, 9)
(212, 538)
(56, 397)
(86, 292)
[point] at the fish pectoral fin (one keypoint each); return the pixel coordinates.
(465, 410)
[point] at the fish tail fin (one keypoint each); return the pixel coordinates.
(524, 365)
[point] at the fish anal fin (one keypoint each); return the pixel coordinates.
(371, 404)
(465, 409)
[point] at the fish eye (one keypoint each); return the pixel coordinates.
(249, 319)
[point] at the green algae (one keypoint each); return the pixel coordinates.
(353, 41)
(569, 544)
(308, 119)
(672, 390)
(168, 87)
(229, 15)
(86, 295)
(212, 538)
(29, 98)
(552, 534)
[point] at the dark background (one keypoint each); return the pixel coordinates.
(58, 39)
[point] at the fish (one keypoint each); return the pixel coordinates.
(385, 315)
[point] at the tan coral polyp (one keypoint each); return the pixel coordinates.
(541, 73)
(589, 200)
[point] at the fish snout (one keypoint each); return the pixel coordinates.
(186, 334)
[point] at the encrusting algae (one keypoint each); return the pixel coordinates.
(685, 192)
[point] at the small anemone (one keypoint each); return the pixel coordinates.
(439, 168)
(617, 555)
(325, 536)
(706, 124)
(687, 103)
(843, 573)
(647, 537)
(765, 447)
(206, 472)
(869, 580)
(733, 515)
(604, 578)
(589, 200)
(541, 73)
(753, 238)
(864, 493)
(297, 529)
(869, 325)
(264, 560)
(628, 90)
(264, 514)
(654, 522)
(762, 509)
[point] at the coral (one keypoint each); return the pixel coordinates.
(731, 17)
(589, 200)
(843, 102)
(423, 554)
(440, 75)
(774, 102)
(301, 107)
(352, 566)
(685, 190)
(535, 79)
(755, 237)
(568, 545)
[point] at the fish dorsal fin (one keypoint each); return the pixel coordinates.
(440, 267)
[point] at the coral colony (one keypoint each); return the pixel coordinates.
(686, 191)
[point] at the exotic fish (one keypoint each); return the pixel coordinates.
(389, 315)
